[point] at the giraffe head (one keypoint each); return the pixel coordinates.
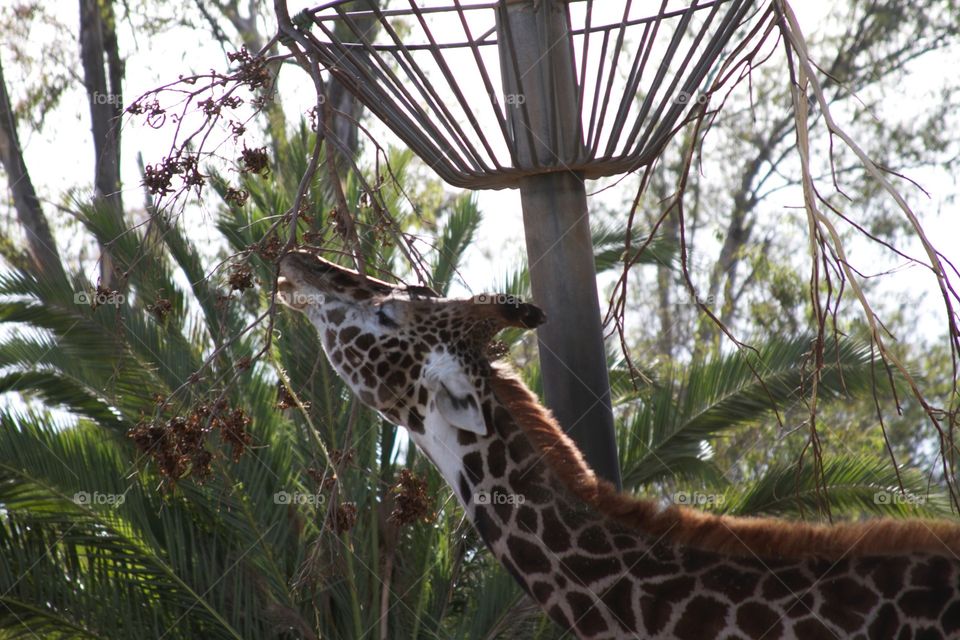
(405, 351)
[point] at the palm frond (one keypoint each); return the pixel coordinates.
(852, 486)
(609, 240)
(671, 424)
(454, 238)
(748, 385)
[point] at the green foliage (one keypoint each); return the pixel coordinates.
(610, 239)
(97, 541)
(91, 530)
(671, 431)
(855, 486)
(668, 427)
(453, 240)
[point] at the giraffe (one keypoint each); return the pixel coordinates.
(601, 563)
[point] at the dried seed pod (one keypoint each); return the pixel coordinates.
(411, 500)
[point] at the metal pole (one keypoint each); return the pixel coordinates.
(541, 98)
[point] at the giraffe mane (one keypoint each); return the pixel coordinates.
(728, 535)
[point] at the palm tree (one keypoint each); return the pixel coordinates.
(669, 430)
(169, 474)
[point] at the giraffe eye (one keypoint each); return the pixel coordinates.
(385, 314)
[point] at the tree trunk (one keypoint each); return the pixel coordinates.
(665, 301)
(573, 362)
(103, 79)
(41, 246)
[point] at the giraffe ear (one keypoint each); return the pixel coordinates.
(452, 396)
(463, 412)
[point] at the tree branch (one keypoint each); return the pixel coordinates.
(41, 246)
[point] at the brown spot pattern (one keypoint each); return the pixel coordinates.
(575, 544)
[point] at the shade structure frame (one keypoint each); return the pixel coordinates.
(537, 100)
(456, 116)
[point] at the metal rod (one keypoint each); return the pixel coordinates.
(512, 80)
(455, 87)
(488, 85)
(482, 40)
(437, 105)
(669, 97)
(618, 47)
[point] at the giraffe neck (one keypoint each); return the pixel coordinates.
(632, 569)
(557, 547)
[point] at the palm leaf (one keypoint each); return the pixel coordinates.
(670, 427)
(454, 238)
(609, 240)
(854, 486)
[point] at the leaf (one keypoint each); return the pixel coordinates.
(454, 238)
(853, 486)
(671, 424)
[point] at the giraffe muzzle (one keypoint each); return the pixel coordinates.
(306, 278)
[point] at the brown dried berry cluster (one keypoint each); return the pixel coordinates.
(157, 178)
(313, 237)
(241, 277)
(107, 296)
(325, 478)
(269, 248)
(253, 70)
(340, 457)
(233, 431)
(284, 399)
(321, 478)
(343, 517)
(263, 101)
(412, 501)
(327, 483)
(156, 115)
(160, 309)
(236, 197)
(178, 446)
(213, 107)
(254, 160)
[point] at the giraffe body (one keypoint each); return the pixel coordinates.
(603, 564)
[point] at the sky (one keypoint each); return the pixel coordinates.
(65, 145)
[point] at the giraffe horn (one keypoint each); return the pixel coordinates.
(511, 310)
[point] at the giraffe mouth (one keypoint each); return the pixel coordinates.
(306, 278)
(301, 281)
(289, 294)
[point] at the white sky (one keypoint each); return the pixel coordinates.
(61, 156)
